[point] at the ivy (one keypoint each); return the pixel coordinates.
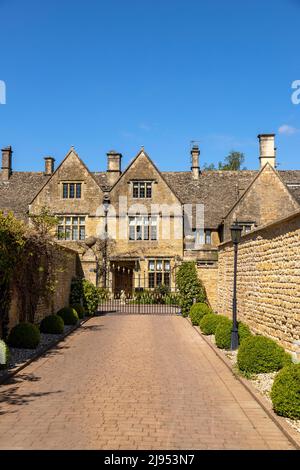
(189, 286)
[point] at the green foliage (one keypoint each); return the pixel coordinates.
(44, 222)
(209, 323)
(233, 162)
(259, 354)
(79, 309)
(189, 286)
(69, 315)
(285, 393)
(52, 324)
(223, 333)
(197, 312)
(24, 335)
(4, 354)
(85, 293)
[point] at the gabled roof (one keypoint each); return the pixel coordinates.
(140, 153)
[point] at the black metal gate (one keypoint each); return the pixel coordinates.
(162, 300)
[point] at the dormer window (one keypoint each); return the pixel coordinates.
(71, 190)
(142, 189)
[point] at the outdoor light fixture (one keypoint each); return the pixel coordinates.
(236, 233)
(106, 203)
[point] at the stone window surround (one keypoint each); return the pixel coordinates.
(69, 182)
(72, 227)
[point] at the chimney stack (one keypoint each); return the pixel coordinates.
(267, 150)
(49, 165)
(113, 166)
(6, 163)
(195, 153)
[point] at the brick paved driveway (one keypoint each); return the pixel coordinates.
(132, 382)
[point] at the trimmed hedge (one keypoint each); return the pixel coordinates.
(4, 354)
(83, 291)
(223, 333)
(69, 315)
(52, 324)
(259, 354)
(209, 323)
(24, 335)
(79, 309)
(198, 311)
(285, 393)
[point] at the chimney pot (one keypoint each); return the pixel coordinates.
(113, 166)
(49, 165)
(6, 163)
(267, 150)
(195, 153)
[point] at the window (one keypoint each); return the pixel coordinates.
(71, 228)
(202, 237)
(158, 273)
(142, 189)
(71, 190)
(247, 226)
(142, 228)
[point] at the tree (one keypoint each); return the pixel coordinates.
(233, 162)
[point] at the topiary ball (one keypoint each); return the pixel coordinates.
(4, 354)
(223, 333)
(197, 312)
(79, 309)
(69, 315)
(52, 324)
(209, 323)
(24, 335)
(258, 354)
(285, 393)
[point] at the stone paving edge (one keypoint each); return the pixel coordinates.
(37, 355)
(263, 402)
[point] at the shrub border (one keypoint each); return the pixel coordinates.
(9, 374)
(280, 422)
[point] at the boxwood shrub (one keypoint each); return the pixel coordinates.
(4, 354)
(69, 315)
(259, 354)
(223, 333)
(285, 392)
(52, 324)
(79, 309)
(209, 323)
(197, 312)
(24, 335)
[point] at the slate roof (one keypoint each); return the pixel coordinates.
(217, 190)
(17, 193)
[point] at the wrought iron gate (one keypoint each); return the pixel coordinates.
(161, 300)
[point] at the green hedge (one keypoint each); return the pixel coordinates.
(79, 309)
(4, 354)
(24, 335)
(69, 315)
(223, 333)
(85, 293)
(197, 312)
(259, 354)
(209, 323)
(285, 393)
(189, 286)
(52, 324)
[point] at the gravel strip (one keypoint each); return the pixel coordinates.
(19, 356)
(261, 382)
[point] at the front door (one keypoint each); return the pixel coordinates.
(123, 282)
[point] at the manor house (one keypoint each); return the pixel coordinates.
(153, 219)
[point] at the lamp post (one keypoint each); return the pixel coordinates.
(236, 233)
(106, 203)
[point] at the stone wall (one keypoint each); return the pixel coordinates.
(268, 289)
(209, 277)
(67, 269)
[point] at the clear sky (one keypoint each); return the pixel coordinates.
(119, 74)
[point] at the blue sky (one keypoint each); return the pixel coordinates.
(120, 74)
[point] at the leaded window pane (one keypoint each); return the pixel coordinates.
(151, 265)
(149, 190)
(82, 233)
(75, 233)
(142, 190)
(78, 190)
(131, 232)
(151, 280)
(153, 233)
(68, 233)
(72, 190)
(65, 190)
(146, 232)
(167, 279)
(158, 279)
